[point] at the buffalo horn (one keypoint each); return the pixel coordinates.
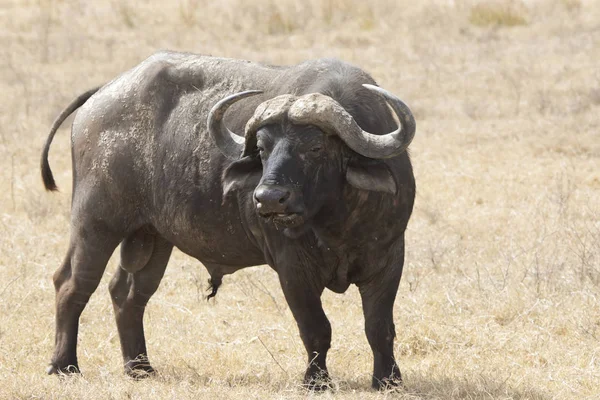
(230, 144)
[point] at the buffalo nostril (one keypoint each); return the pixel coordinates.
(272, 199)
(284, 198)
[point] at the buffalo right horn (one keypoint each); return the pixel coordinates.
(230, 144)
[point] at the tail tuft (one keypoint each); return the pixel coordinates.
(47, 176)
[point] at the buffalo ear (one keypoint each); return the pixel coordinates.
(371, 175)
(241, 174)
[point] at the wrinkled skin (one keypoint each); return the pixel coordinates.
(149, 177)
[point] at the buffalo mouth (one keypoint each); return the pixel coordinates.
(286, 220)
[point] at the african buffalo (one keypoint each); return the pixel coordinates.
(316, 182)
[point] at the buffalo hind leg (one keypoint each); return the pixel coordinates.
(378, 302)
(304, 301)
(75, 281)
(146, 256)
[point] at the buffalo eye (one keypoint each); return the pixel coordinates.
(263, 152)
(316, 149)
(260, 147)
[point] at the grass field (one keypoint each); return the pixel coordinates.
(501, 293)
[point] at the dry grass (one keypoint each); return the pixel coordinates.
(501, 294)
(498, 13)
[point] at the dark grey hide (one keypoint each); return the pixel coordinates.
(148, 175)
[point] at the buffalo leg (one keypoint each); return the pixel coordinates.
(75, 281)
(305, 303)
(130, 292)
(378, 302)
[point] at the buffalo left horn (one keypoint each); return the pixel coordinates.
(230, 144)
(323, 111)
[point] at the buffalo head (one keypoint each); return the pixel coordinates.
(303, 149)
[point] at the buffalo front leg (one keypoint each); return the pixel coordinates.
(131, 291)
(378, 297)
(75, 281)
(304, 301)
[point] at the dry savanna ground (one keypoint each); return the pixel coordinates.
(501, 293)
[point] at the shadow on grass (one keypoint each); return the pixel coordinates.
(417, 385)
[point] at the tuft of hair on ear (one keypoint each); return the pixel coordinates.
(241, 174)
(373, 175)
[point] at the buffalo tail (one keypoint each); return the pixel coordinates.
(47, 176)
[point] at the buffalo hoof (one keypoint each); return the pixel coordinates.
(318, 387)
(318, 383)
(68, 370)
(139, 370)
(388, 384)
